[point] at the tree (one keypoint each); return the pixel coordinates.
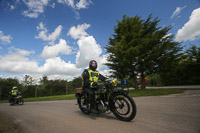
(190, 66)
(44, 80)
(6, 85)
(75, 83)
(28, 80)
(138, 47)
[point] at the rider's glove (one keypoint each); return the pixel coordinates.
(94, 84)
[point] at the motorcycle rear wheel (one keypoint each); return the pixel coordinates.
(124, 107)
(83, 104)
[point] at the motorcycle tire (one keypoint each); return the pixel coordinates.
(84, 107)
(124, 107)
(21, 101)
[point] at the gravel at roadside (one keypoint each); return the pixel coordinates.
(8, 125)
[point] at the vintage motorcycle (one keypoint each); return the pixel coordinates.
(109, 97)
(17, 100)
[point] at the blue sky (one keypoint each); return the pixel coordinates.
(57, 38)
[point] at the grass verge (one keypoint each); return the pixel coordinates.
(154, 92)
(133, 93)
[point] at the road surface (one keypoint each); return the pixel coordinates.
(178, 113)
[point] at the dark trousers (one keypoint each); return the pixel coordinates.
(91, 94)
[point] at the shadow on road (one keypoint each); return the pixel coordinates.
(96, 116)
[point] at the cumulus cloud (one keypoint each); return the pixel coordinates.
(45, 36)
(89, 49)
(54, 66)
(79, 31)
(17, 61)
(177, 11)
(5, 39)
(82, 4)
(55, 50)
(191, 29)
(35, 7)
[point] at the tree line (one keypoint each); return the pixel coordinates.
(46, 87)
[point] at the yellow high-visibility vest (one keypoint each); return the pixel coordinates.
(94, 76)
(14, 92)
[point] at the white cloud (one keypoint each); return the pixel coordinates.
(82, 4)
(53, 5)
(102, 61)
(177, 11)
(35, 7)
(166, 36)
(191, 29)
(21, 52)
(5, 39)
(88, 50)
(67, 2)
(79, 31)
(55, 50)
(106, 72)
(12, 7)
(45, 36)
(54, 66)
(17, 62)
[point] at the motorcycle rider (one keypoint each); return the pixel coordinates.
(90, 79)
(14, 93)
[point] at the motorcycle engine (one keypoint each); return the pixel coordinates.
(101, 106)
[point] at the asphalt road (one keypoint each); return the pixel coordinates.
(172, 113)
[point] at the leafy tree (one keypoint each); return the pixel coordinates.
(6, 86)
(75, 83)
(44, 80)
(139, 47)
(190, 66)
(28, 80)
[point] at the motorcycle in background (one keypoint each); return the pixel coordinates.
(17, 100)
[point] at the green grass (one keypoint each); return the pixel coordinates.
(133, 93)
(51, 98)
(154, 92)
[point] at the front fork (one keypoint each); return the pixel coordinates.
(112, 98)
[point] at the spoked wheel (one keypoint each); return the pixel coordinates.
(83, 104)
(124, 107)
(21, 101)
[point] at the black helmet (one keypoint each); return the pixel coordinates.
(93, 65)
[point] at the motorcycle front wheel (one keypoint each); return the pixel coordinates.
(21, 101)
(124, 107)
